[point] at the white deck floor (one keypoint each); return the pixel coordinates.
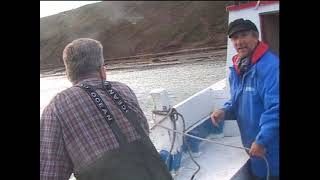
(217, 162)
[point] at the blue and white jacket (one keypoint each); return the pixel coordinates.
(254, 103)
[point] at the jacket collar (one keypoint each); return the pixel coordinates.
(260, 50)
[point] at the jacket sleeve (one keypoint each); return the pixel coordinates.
(269, 92)
(228, 106)
(55, 163)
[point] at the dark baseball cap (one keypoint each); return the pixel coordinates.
(241, 25)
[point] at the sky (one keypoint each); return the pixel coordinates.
(48, 8)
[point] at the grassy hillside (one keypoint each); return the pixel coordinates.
(133, 28)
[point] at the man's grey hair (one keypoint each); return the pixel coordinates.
(82, 57)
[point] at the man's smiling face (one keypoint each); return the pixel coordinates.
(244, 42)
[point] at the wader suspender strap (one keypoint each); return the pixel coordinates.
(105, 112)
(129, 113)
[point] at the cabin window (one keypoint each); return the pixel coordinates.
(270, 30)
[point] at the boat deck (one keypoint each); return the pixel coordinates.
(217, 162)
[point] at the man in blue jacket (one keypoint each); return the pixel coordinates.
(254, 101)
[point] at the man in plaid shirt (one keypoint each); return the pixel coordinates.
(73, 132)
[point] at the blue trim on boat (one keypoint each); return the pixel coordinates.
(203, 130)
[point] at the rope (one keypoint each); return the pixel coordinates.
(162, 113)
(203, 139)
(188, 146)
(172, 110)
(173, 114)
(268, 168)
(173, 119)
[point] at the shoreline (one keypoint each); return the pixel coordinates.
(156, 61)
